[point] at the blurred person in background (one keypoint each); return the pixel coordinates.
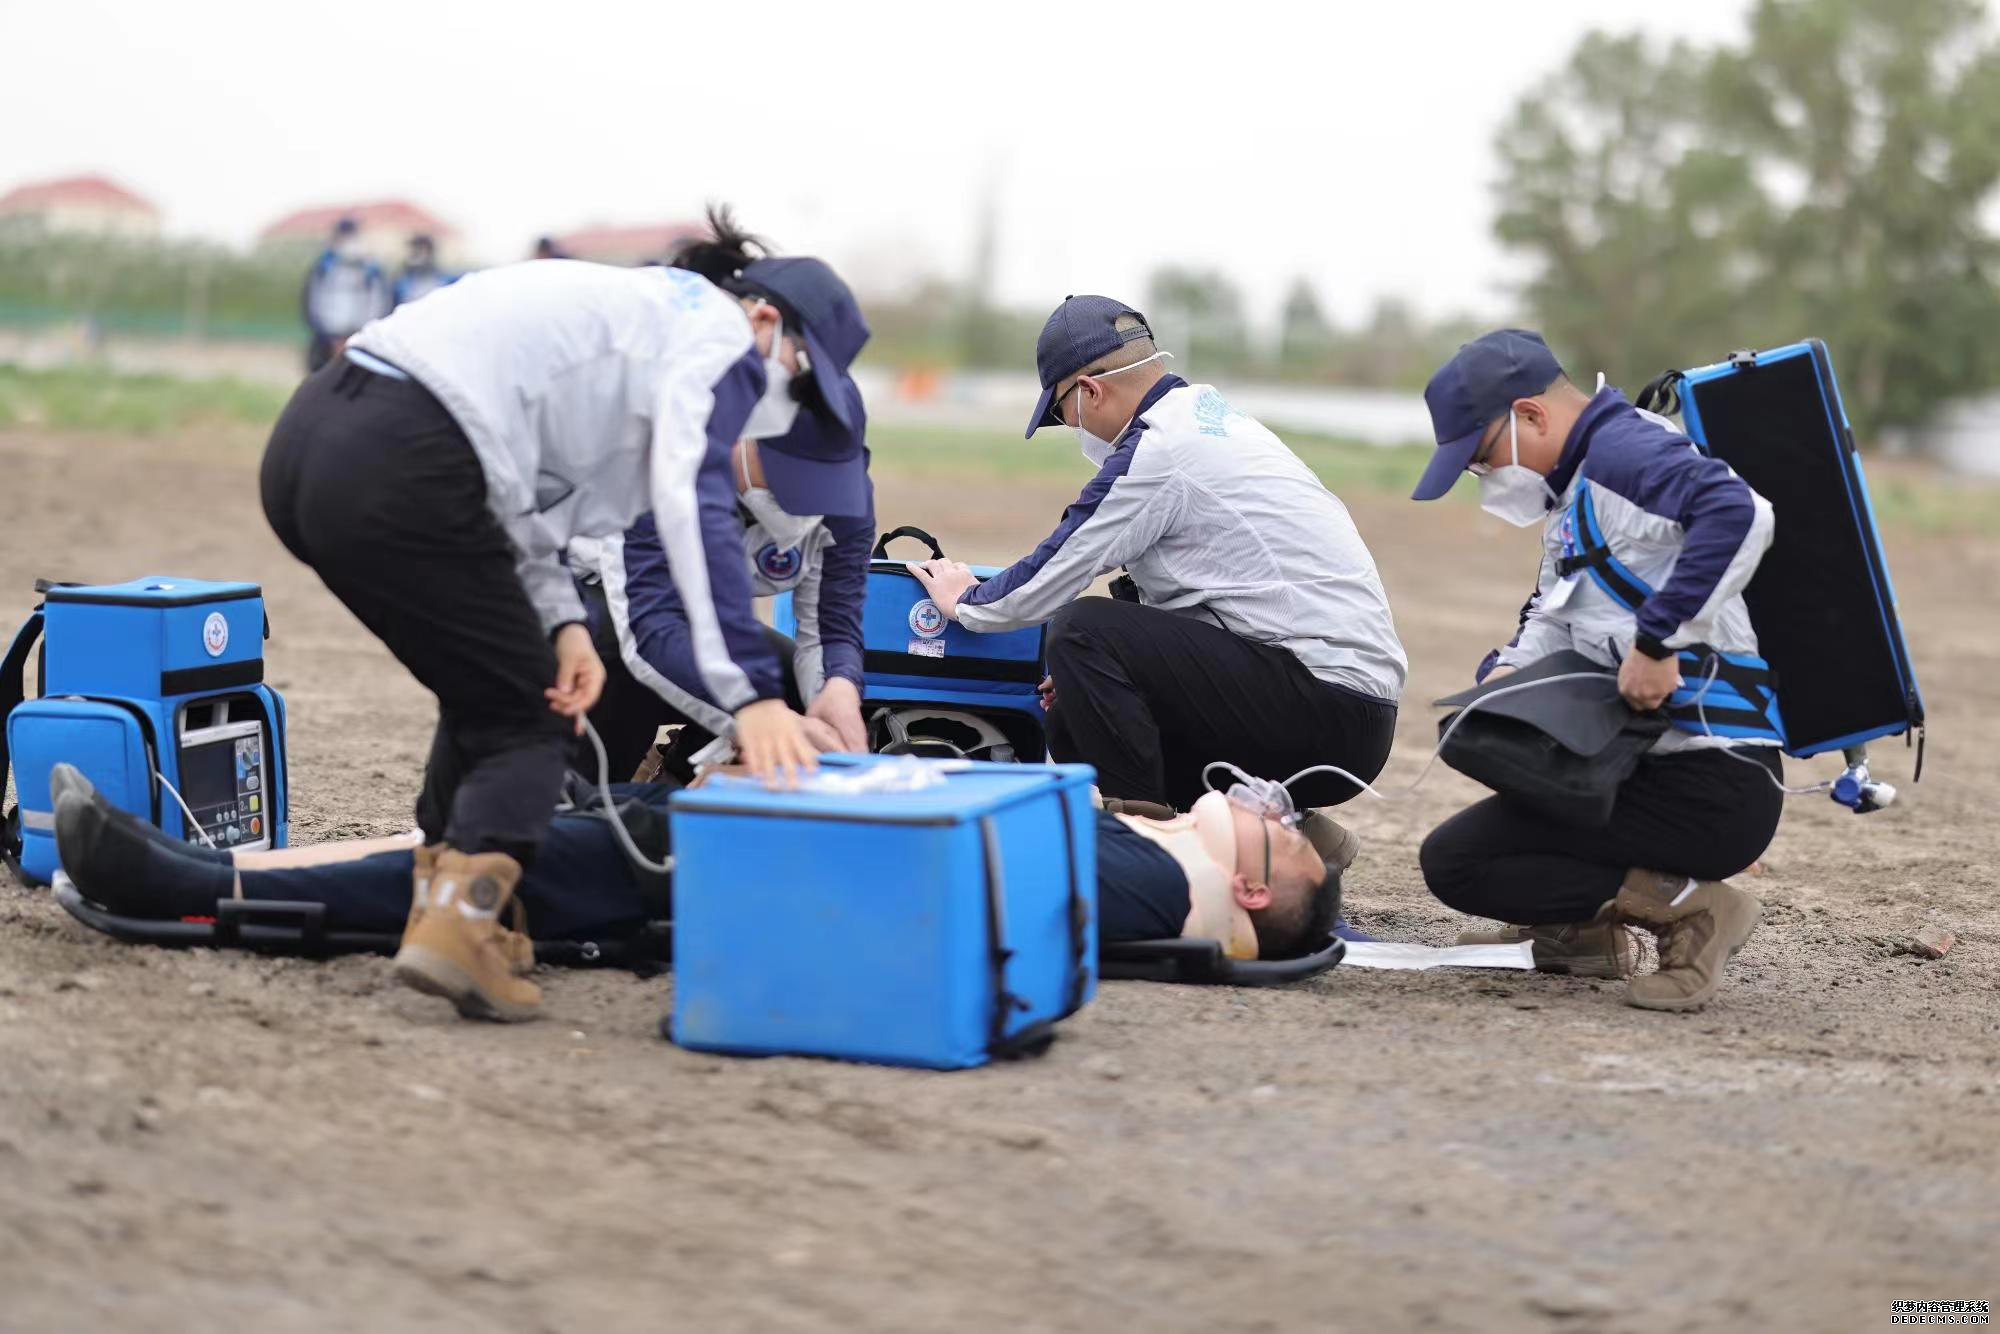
(804, 519)
(433, 476)
(344, 290)
(421, 274)
(546, 248)
(1252, 626)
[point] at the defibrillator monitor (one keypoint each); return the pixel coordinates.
(223, 777)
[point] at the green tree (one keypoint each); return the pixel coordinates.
(1203, 311)
(1305, 336)
(1826, 177)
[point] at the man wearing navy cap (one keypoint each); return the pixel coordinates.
(806, 508)
(1647, 546)
(1260, 633)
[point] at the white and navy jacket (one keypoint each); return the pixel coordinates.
(341, 295)
(592, 395)
(826, 574)
(1651, 541)
(1214, 517)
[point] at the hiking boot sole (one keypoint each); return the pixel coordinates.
(431, 973)
(1700, 999)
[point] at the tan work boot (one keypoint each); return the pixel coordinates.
(1600, 947)
(455, 946)
(1336, 844)
(1700, 924)
(515, 944)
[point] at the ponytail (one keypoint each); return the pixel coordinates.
(721, 255)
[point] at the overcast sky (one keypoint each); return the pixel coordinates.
(1350, 143)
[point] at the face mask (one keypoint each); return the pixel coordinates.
(1512, 492)
(777, 409)
(785, 529)
(1266, 798)
(1096, 448)
(347, 248)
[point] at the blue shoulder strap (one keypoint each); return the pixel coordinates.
(12, 691)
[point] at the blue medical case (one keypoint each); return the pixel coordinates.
(155, 682)
(912, 655)
(1821, 601)
(942, 927)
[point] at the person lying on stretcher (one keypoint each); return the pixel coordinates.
(1260, 887)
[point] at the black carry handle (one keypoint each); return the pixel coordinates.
(907, 530)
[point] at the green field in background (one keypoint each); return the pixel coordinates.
(87, 399)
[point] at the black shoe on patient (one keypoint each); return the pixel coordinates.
(124, 864)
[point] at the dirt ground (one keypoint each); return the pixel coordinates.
(198, 1141)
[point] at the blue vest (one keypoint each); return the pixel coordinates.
(1724, 694)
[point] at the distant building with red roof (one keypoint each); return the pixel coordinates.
(627, 245)
(386, 226)
(93, 205)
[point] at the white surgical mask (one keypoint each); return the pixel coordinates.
(1518, 494)
(777, 409)
(347, 247)
(1096, 448)
(785, 529)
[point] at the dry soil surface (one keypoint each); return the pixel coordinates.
(198, 1141)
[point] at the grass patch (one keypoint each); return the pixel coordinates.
(90, 399)
(969, 454)
(1908, 497)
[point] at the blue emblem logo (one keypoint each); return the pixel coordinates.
(926, 620)
(777, 565)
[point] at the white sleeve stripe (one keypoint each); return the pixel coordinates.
(611, 569)
(677, 465)
(1050, 588)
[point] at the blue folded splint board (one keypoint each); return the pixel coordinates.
(1821, 601)
(911, 654)
(941, 927)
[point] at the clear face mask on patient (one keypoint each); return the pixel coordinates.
(1096, 448)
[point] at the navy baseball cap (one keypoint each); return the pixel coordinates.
(818, 467)
(1473, 389)
(1082, 329)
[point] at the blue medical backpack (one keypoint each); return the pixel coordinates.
(930, 676)
(155, 690)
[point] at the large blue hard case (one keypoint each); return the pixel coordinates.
(1822, 601)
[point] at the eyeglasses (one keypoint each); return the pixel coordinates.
(1479, 466)
(1267, 850)
(1057, 401)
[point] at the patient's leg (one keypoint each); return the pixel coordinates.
(325, 854)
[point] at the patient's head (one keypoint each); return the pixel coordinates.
(1277, 881)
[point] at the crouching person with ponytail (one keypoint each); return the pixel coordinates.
(1647, 547)
(433, 474)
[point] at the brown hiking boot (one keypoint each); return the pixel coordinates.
(1336, 844)
(1700, 924)
(515, 944)
(455, 946)
(1600, 947)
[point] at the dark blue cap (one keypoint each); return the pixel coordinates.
(813, 469)
(1475, 388)
(1082, 329)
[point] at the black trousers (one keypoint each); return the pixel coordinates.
(369, 480)
(1150, 697)
(1697, 813)
(629, 714)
